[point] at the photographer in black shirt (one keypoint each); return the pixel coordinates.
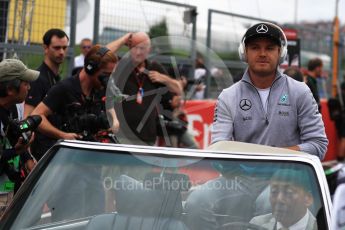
(73, 102)
(77, 95)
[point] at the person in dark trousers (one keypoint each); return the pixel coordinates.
(337, 114)
(314, 71)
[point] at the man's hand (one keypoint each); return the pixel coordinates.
(30, 164)
(296, 148)
(115, 127)
(116, 44)
(128, 39)
(172, 84)
(157, 77)
(200, 87)
(70, 136)
(114, 124)
(21, 147)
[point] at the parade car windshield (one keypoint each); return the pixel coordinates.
(82, 188)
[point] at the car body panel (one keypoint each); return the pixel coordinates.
(232, 151)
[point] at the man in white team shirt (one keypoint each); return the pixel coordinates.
(85, 46)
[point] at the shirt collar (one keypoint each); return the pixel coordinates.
(247, 78)
(300, 225)
(53, 77)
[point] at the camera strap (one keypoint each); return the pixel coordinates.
(140, 78)
(6, 115)
(4, 118)
(4, 122)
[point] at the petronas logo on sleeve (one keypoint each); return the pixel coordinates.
(283, 99)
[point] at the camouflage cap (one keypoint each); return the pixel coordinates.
(11, 69)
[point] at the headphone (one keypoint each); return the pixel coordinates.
(283, 47)
(92, 66)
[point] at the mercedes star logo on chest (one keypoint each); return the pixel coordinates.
(245, 104)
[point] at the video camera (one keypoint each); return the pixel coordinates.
(174, 126)
(23, 128)
(80, 119)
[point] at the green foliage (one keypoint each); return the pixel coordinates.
(159, 29)
(228, 56)
(34, 60)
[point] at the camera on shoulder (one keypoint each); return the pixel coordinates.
(84, 120)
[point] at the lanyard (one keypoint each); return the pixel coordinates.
(140, 81)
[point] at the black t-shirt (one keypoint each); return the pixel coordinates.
(312, 84)
(7, 142)
(64, 94)
(41, 86)
(58, 99)
(140, 118)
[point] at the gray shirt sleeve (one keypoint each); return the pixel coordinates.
(312, 129)
(222, 127)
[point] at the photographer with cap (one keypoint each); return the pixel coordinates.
(76, 95)
(266, 106)
(15, 80)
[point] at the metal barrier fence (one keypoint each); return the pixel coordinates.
(317, 42)
(122, 16)
(23, 23)
(314, 41)
(157, 18)
(225, 31)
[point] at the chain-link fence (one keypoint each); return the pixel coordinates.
(225, 31)
(23, 24)
(316, 41)
(157, 18)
